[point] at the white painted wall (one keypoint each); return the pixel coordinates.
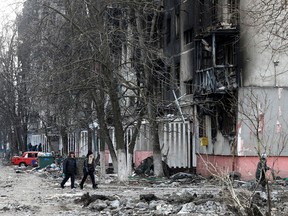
(264, 59)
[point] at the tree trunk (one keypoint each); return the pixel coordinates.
(104, 131)
(129, 164)
(90, 136)
(102, 164)
(133, 142)
(117, 123)
(157, 155)
(122, 171)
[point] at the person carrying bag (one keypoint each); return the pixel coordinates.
(89, 169)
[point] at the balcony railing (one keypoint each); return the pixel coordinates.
(215, 79)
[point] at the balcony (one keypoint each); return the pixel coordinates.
(217, 79)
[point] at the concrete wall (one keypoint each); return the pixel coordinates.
(246, 166)
(262, 111)
(264, 60)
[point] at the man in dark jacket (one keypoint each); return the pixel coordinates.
(89, 169)
(69, 169)
(261, 170)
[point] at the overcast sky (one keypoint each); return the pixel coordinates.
(8, 9)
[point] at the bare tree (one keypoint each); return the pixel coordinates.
(75, 59)
(14, 93)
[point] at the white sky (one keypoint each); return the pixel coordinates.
(8, 9)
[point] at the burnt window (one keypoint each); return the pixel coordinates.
(168, 38)
(225, 50)
(188, 86)
(202, 126)
(188, 36)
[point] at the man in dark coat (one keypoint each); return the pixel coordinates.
(40, 147)
(30, 147)
(69, 169)
(89, 169)
(261, 170)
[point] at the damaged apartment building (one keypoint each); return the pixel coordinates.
(229, 88)
(227, 76)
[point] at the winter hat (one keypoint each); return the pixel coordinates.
(264, 156)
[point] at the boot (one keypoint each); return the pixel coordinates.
(95, 186)
(81, 186)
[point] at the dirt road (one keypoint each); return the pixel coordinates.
(32, 193)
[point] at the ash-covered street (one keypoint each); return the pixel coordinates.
(37, 192)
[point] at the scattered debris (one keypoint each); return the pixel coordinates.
(186, 178)
(146, 167)
(148, 197)
(235, 175)
(86, 199)
(188, 194)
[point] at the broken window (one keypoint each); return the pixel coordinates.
(188, 36)
(233, 10)
(216, 66)
(188, 86)
(168, 83)
(168, 38)
(225, 12)
(203, 53)
(227, 116)
(225, 50)
(202, 126)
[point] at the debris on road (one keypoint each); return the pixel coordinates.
(146, 168)
(181, 193)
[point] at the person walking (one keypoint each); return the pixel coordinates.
(30, 147)
(261, 170)
(40, 147)
(89, 169)
(69, 169)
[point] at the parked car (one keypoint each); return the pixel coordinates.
(29, 158)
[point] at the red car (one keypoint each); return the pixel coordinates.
(28, 158)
